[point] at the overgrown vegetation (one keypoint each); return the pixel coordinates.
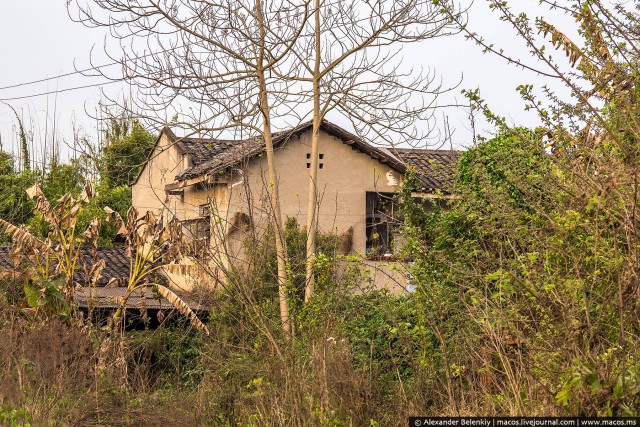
(115, 165)
(526, 299)
(350, 363)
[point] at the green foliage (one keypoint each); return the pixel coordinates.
(123, 159)
(261, 250)
(24, 145)
(498, 163)
(12, 417)
(46, 295)
(174, 353)
(521, 274)
(63, 178)
(14, 206)
(326, 254)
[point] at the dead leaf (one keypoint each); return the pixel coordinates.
(95, 272)
(182, 307)
(87, 192)
(34, 191)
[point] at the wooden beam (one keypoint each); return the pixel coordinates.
(193, 181)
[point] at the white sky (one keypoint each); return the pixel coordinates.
(39, 40)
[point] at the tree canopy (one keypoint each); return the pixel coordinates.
(125, 156)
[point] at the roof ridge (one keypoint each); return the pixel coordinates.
(427, 150)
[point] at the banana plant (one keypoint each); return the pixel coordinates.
(52, 261)
(151, 244)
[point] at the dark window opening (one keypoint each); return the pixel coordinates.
(382, 225)
(196, 235)
(320, 165)
(196, 229)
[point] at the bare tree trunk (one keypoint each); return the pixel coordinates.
(313, 174)
(281, 250)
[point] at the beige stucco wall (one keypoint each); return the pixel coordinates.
(343, 181)
(165, 163)
(342, 184)
(148, 194)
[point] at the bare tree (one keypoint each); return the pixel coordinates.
(215, 57)
(349, 61)
(235, 72)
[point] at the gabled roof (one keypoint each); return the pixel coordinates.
(170, 135)
(209, 156)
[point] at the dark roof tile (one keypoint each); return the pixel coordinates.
(435, 168)
(117, 264)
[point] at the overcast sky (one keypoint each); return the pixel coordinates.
(40, 41)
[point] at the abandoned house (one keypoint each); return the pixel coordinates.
(217, 189)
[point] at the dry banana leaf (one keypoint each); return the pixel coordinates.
(559, 40)
(114, 283)
(34, 192)
(87, 192)
(42, 205)
(111, 214)
(23, 241)
(132, 217)
(95, 272)
(182, 307)
(93, 230)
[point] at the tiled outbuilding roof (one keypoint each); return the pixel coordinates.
(435, 167)
(116, 264)
(109, 288)
(141, 298)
